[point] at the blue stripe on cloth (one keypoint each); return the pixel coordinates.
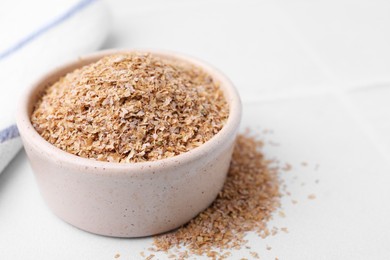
(8, 133)
(69, 13)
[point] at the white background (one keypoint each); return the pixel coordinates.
(317, 73)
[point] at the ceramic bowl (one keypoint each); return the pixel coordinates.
(133, 199)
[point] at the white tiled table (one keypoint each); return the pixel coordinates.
(316, 73)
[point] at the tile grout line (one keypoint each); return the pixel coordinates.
(336, 89)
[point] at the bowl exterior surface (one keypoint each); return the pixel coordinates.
(129, 205)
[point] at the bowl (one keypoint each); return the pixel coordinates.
(129, 199)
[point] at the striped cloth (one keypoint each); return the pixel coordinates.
(43, 35)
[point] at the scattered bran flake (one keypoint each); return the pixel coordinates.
(117, 256)
(311, 196)
(304, 164)
(274, 231)
(287, 167)
(149, 257)
(268, 247)
(284, 229)
(264, 233)
(225, 255)
(142, 254)
(247, 201)
(282, 214)
(183, 255)
(131, 107)
(294, 201)
(212, 254)
(255, 255)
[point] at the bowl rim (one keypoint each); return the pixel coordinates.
(30, 135)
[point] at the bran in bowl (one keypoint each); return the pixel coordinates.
(131, 107)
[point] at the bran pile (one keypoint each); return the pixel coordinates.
(131, 107)
(250, 195)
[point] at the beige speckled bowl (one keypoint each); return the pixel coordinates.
(135, 199)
